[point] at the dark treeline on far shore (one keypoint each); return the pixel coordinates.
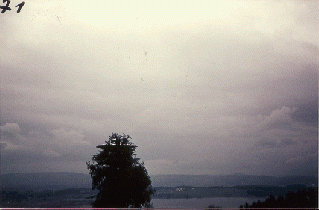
(237, 191)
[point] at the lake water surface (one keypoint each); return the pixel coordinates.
(225, 202)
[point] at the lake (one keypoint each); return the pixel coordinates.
(225, 202)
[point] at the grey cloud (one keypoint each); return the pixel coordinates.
(3, 145)
(71, 137)
(275, 144)
(307, 112)
(11, 129)
(10, 133)
(307, 164)
(208, 97)
(287, 142)
(267, 143)
(279, 129)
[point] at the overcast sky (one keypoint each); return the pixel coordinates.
(201, 87)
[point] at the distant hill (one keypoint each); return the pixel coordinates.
(230, 180)
(63, 180)
(45, 181)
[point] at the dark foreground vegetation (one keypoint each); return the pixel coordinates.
(306, 198)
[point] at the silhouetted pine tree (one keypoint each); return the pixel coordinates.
(122, 181)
